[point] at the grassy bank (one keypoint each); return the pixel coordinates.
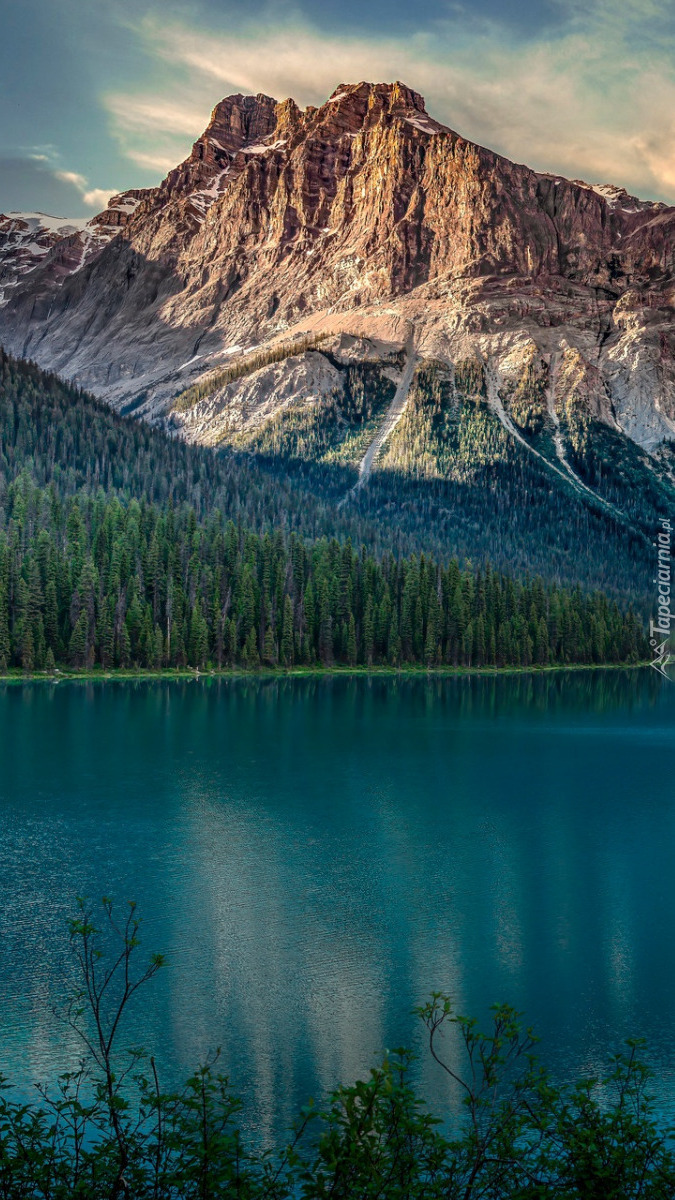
(404, 672)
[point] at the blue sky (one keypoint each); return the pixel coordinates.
(98, 96)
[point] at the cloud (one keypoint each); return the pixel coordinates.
(77, 181)
(132, 113)
(294, 61)
(92, 197)
(154, 162)
(25, 175)
(594, 99)
(97, 197)
(27, 184)
(156, 132)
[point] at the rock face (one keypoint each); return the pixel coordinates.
(26, 240)
(363, 217)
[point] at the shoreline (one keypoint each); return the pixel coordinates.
(146, 675)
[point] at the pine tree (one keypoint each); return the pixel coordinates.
(106, 636)
(417, 651)
(369, 631)
(270, 655)
(77, 649)
(123, 654)
(351, 641)
(431, 646)
(198, 650)
(52, 616)
(251, 657)
(5, 649)
(27, 648)
(394, 642)
(541, 643)
(158, 648)
(325, 626)
(309, 612)
(231, 641)
(479, 641)
(287, 646)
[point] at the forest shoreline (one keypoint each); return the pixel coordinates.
(147, 675)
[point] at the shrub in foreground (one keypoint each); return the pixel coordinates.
(110, 1130)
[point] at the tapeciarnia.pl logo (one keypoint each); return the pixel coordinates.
(660, 629)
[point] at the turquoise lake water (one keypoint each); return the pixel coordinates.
(315, 856)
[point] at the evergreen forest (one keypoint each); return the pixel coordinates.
(122, 547)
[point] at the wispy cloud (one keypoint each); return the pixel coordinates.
(34, 181)
(597, 100)
(155, 162)
(77, 181)
(154, 132)
(153, 114)
(93, 197)
(97, 198)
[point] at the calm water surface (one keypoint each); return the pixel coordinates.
(315, 856)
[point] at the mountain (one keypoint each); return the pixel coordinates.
(26, 240)
(118, 547)
(369, 217)
(360, 294)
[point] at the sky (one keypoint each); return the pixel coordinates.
(96, 97)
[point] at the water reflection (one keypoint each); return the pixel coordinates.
(316, 855)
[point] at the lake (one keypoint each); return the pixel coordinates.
(315, 856)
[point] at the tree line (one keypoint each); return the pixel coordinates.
(449, 484)
(246, 364)
(89, 580)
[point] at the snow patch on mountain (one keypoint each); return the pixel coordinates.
(619, 198)
(35, 221)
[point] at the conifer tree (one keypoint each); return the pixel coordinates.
(287, 642)
(351, 641)
(269, 647)
(77, 649)
(5, 648)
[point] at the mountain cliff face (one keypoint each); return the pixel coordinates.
(291, 241)
(26, 240)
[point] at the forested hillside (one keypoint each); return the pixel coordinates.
(452, 477)
(470, 493)
(91, 580)
(121, 547)
(71, 441)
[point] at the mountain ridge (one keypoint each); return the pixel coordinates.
(563, 229)
(292, 247)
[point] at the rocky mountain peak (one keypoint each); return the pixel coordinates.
(121, 209)
(363, 214)
(618, 198)
(392, 97)
(236, 121)
(356, 106)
